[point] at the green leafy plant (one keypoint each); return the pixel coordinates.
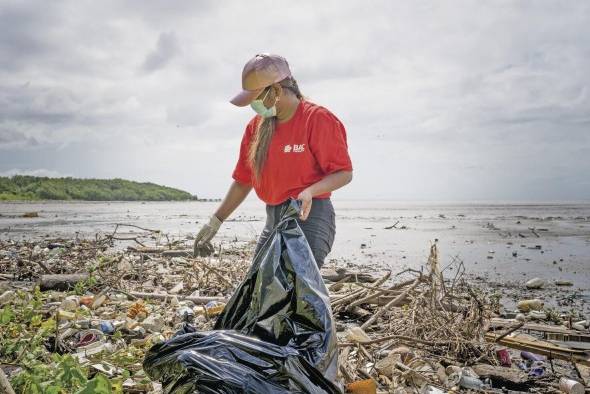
(81, 287)
(23, 334)
(65, 375)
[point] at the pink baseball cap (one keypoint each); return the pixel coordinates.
(261, 71)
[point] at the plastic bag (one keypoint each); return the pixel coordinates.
(226, 361)
(275, 334)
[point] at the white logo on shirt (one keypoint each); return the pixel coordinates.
(298, 148)
(295, 148)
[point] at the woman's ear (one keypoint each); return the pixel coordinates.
(278, 91)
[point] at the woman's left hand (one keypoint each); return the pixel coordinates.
(306, 198)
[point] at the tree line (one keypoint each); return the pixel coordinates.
(24, 187)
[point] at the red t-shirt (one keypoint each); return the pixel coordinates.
(303, 150)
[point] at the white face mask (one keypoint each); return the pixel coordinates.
(259, 107)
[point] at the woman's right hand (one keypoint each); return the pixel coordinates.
(202, 246)
(235, 195)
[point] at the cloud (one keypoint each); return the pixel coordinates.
(166, 48)
(439, 101)
(22, 34)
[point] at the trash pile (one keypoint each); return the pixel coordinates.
(418, 326)
(430, 335)
(95, 306)
(80, 315)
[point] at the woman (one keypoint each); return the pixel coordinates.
(292, 148)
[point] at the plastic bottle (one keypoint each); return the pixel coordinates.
(214, 308)
(107, 327)
(571, 386)
(469, 382)
(531, 356)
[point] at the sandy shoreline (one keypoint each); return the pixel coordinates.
(477, 244)
(511, 242)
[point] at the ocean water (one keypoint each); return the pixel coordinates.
(550, 240)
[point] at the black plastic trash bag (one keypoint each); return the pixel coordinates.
(226, 361)
(283, 299)
(275, 334)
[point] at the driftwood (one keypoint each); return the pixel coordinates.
(61, 282)
(360, 312)
(509, 331)
(43, 266)
(178, 253)
(551, 332)
(5, 387)
(436, 322)
(397, 300)
(141, 249)
(583, 372)
(167, 252)
(341, 273)
(359, 293)
(374, 300)
(164, 296)
(543, 348)
(379, 297)
(513, 379)
(338, 285)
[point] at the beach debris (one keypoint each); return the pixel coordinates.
(399, 330)
(504, 357)
(98, 301)
(502, 376)
(137, 310)
(581, 325)
(7, 297)
(107, 327)
(70, 303)
(402, 227)
(87, 300)
(530, 305)
(344, 275)
(563, 282)
(153, 323)
(428, 389)
(357, 334)
(5, 385)
(213, 308)
(61, 282)
(470, 382)
(571, 386)
(176, 289)
(531, 356)
(537, 315)
(366, 386)
(185, 314)
(535, 283)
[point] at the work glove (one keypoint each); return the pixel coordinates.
(203, 245)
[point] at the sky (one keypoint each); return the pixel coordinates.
(441, 100)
